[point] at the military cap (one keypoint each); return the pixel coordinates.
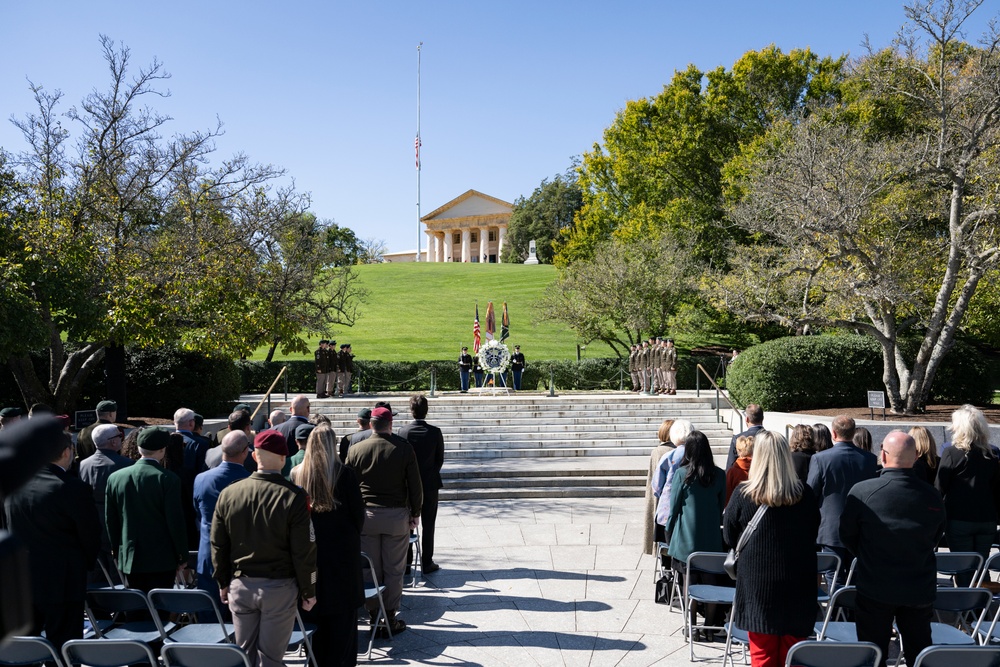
(383, 404)
(364, 413)
(241, 406)
(10, 412)
(107, 406)
(153, 439)
(383, 414)
(303, 430)
(271, 441)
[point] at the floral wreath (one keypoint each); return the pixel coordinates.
(494, 357)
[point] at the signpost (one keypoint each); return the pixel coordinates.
(876, 399)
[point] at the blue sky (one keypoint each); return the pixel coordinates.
(511, 91)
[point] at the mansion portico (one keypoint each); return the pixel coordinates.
(469, 228)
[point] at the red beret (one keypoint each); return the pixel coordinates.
(382, 413)
(271, 441)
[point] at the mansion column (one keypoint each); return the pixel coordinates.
(483, 245)
(430, 242)
(448, 245)
(438, 247)
(466, 243)
(501, 235)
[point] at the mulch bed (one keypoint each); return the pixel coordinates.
(932, 413)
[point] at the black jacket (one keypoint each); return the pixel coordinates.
(54, 516)
(752, 431)
(892, 524)
(428, 444)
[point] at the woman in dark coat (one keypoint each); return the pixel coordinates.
(803, 447)
(338, 514)
(776, 576)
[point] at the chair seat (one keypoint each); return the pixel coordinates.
(298, 636)
(141, 631)
(838, 631)
(738, 635)
(942, 633)
(201, 633)
(711, 594)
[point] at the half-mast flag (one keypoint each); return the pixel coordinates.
(504, 324)
(475, 332)
(491, 321)
(416, 147)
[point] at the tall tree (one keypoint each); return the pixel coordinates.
(541, 217)
(886, 228)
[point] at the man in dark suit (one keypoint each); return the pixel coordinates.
(54, 516)
(428, 444)
(299, 408)
(832, 473)
(145, 517)
(207, 487)
(755, 423)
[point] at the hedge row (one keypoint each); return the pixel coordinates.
(804, 372)
(376, 376)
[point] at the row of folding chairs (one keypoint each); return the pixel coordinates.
(865, 654)
(119, 653)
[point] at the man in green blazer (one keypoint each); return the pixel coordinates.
(145, 517)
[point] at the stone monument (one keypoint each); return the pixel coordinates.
(532, 259)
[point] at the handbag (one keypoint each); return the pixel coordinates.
(663, 585)
(734, 554)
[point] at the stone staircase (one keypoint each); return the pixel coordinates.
(579, 445)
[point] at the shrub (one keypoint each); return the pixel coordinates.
(802, 372)
(164, 379)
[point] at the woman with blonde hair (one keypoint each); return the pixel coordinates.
(776, 584)
(338, 514)
(967, 478)
(926, 465)
(652, 531)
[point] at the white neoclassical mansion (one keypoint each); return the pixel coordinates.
(469, 228)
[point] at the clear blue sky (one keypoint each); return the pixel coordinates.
(511, 91)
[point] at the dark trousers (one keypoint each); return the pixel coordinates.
(428, 517)
(335, 642)
(59, 623)
(517, 379)
(874, 619)
(463, 376)
(145, 582)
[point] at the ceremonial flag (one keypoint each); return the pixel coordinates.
(475, 332)
(491, 321)
(416, 147)
(504, 324)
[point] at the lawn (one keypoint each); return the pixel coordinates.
(425, 311)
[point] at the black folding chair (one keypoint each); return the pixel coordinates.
(121, 602)
(834, 654)
(107, 653)
(374, 592)
(833, 628)
(204, 655)
(302, 637)
(191, 605)
(711, 563)
(28, 651)
(955, 563)
(958, 656)
(962, 602)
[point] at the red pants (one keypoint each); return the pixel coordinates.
(770, 650)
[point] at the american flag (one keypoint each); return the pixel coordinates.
(475, 332)
(416, 147)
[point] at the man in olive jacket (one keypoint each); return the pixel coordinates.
(145, 517)
(264, 553)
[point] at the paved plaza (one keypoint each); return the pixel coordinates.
(539, 582)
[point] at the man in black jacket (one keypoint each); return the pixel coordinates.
(755, 424)
(55, 517)
(892, 524)
(428, 444)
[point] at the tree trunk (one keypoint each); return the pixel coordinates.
(270, 351)
(32, 389)
(115, 384)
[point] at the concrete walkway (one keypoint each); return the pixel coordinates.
(539, 582)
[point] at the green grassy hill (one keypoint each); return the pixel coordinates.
(425, 311)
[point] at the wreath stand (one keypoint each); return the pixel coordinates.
(496, 388)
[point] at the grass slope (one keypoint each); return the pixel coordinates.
(425, 311)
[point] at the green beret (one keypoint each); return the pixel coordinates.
(303, 430)
(10, 412)
(107, 406)
(153, 439)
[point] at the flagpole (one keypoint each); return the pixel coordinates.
(417, 258)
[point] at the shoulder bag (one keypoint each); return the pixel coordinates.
(734, 554)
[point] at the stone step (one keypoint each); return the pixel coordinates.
(526, 452)
(498, 443)
(547, 482)
(547, 492)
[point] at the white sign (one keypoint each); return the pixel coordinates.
(876, 399)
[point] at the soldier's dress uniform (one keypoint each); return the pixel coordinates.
(670, 364)
(633, 368)
(322, 370)
(464, 368)
(264, 552)
(517, 367)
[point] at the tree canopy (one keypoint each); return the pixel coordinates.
(541, 217)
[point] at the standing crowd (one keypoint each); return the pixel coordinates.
(824, 492)
(280, 518)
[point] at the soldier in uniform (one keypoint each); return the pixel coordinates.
(264, 554)
(322, 369)
(477, 370)
(517, 366)
(633, 368)
(670, 364)
(644, 369)
(145, 517)
(346, 369)
(333, 364)
(464, 368)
